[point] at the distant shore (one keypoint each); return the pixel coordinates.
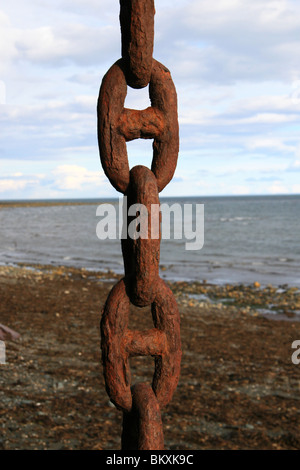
(10, 204)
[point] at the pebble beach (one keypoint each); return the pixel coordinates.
(238, 389)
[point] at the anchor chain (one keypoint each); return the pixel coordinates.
(141, 286)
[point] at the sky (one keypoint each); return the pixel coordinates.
(236, 68)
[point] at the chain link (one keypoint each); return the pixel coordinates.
(141, 285)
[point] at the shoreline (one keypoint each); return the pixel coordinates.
(274, 302)
(163, 274)
(218, 264)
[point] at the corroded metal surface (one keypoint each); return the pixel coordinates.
(137, 28)
(142, 427)
(141, 285)
(141, 255)
(116, 125)
(119, 344)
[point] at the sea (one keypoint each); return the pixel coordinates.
(247, 239)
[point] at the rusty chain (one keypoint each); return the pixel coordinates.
(141, 285)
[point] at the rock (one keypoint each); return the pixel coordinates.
(250, 427)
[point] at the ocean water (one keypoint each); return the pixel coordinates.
(246, 239)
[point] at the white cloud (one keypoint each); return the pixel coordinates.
(7, 47)
(274, 143)
(295, 166)
(62, 45)
(295, 94)
(74, 177)
(12, 185)
(296, 188)
(269, 118)
(232, 40)
(278, 188)
(67, 178)
(271, 103)
(102, 7)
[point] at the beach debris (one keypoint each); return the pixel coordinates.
(8, 333)
(219, 397)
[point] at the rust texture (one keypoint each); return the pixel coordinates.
(116, 125)
(141, 256)
(141, 286)
(137, 28)
(142, 427)
(119, 344)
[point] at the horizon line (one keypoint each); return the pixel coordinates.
(70, 199)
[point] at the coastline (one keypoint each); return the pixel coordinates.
(13, 204)
(244, 240)
(238, 387)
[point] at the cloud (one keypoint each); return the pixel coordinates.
(235, 64)
(50, 37)
(266, 103)
(296, 188)
(74, 177)
(12, 185)
(2, 92)
(50, 129)
(268, 118)
(69, 179)
(295, 166)
(73, 43)
(270, 143)
(278, 188)
(227, 41)
(8, 50)
(103, 7)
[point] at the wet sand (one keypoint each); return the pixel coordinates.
(238, 387)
